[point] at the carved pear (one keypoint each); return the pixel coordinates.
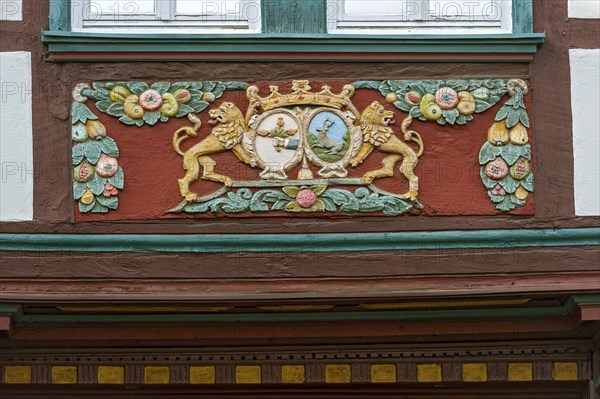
(430, 110)
(170, 105)
(95, 129)
(518, 135)
(498, 133)
(132, 108)
(118, 94)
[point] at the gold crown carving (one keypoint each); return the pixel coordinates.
(301, 95)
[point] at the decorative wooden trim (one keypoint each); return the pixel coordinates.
(335, 242)
(311, 46)
(561, 362)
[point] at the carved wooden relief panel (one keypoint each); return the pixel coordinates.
(301, 148)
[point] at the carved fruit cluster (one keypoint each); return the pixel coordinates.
(136, 103)
(451, 101)
(97, 176)
(505, 158)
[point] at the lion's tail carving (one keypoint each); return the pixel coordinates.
(185, 133)
(411, 135)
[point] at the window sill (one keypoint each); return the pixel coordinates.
(79, 46)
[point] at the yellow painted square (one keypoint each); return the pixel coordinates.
(292, 374)
(17, 374)
(383, 373)
(157, 375)
(64, 374)
(429, 372)
(474, 372)
(248, 374)
(520, 371)
(338, 373)
(202, 375)
(111, 375)
(565, 371)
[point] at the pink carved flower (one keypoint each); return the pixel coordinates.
(446, 98)
(306, 199)
(107, 166)
(110, 191)
(151, 100)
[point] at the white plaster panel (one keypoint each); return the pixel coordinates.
(585, 102)
(16, 149)
(11, 10)
(584, 9)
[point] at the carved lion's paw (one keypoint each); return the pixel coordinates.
(191, 197)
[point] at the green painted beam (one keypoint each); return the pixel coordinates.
(290, 43)
(309, 242)
(451, 314)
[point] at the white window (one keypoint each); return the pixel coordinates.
(419, 16)
(177, 16)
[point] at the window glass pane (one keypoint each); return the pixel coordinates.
(122, 7)
(475, 9)
(208, 7)
(377, 7)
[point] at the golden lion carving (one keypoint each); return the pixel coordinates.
(377, 134)
(226, 135)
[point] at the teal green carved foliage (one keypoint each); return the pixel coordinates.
(201, 94)
(486, 93)
(510, 191)
(335, 200)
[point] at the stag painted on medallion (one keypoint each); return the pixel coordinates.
(315, 150)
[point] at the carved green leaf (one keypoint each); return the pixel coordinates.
(98, 207)
(402, 106)
(110, 202)
(184, 109)
(78, 189)
(219, 89)
(97, 184)
(179, 85)
(506, 204)
(127, 120)
(329, 204)
(83, 208)
(103, 105)
(207, 86)
(502, 114)
(528, 183)
(116, 109)
(509, 184)
(118, 179)
(139, 122)
(524, 118)
(516, 201)
(441, 121)
(137, 87)
(81, 113)
(109, 147)
(496, 199)
(161, 87)
(415, 112)
(347, 202)
(511, 152)
(372, 84)
(200, 106)
(458, 85)
(280, 205)
(488, 153)
(92, 151)
(151, 117)
(451, 115)
(77, 154)
(513, 118)
(164, 118)
(236, 85)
